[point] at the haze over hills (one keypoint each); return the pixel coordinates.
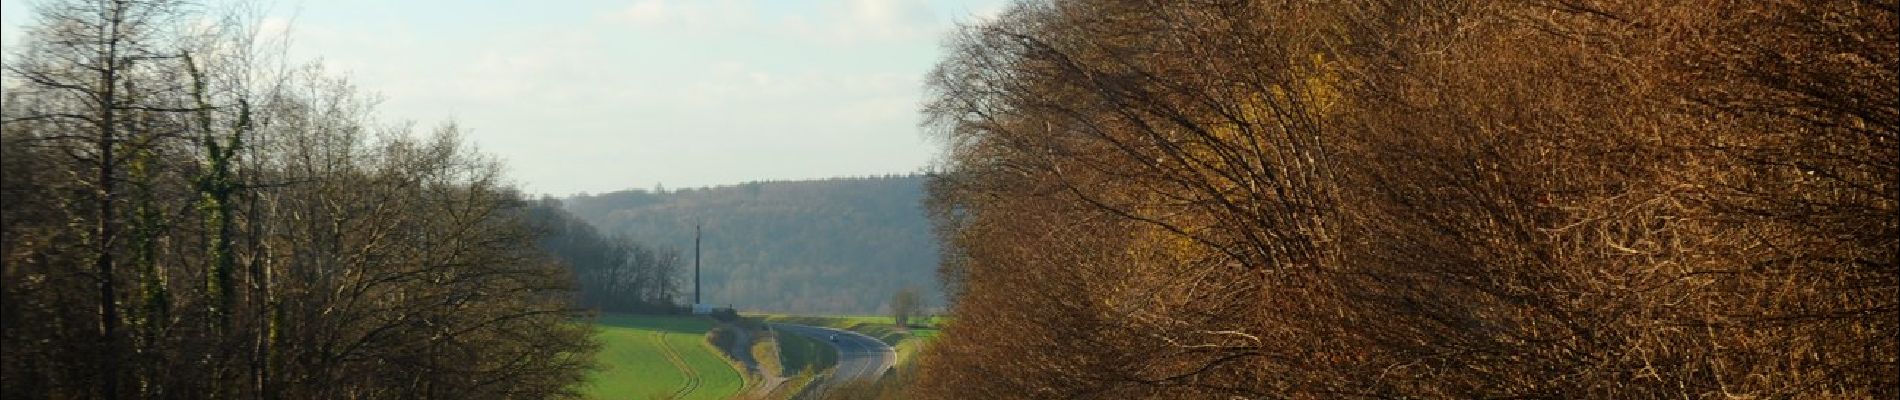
(835, 246)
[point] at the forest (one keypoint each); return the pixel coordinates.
(188, 215)
(611, 273)
(1402, 199)
(831, 246)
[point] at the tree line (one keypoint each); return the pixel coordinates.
(612, 273)
(1400, 199)
(185, 217)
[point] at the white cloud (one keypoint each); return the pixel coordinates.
(890, 13)
(837, 22)
(859, 21)
(696, 15)
(497, 76)
(272, 27)
(645, 12)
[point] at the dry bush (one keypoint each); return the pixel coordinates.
(1396, 199)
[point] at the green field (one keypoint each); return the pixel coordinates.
(654, 357)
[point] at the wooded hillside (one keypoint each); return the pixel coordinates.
(821, 246)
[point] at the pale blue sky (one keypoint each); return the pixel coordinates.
(602, 95)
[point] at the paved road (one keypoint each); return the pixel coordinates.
(859, 356)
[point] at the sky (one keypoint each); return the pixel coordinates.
(602, 95)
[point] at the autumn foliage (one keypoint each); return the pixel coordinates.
(1394, 199)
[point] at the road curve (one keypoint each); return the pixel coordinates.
(859, 356)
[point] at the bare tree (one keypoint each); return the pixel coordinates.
(281, 244)
(89, 71)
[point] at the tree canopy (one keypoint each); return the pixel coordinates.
(1401, 199)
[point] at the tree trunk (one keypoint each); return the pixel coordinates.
(105, 230)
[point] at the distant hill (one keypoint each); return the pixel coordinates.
(818, 246)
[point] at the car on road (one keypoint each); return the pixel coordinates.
(834, 338)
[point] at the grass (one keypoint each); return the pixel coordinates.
(644, 356)
(793, 385)
(766, 352)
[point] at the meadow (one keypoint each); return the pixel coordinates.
(646, 356)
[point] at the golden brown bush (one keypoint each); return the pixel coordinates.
(1611, 199)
